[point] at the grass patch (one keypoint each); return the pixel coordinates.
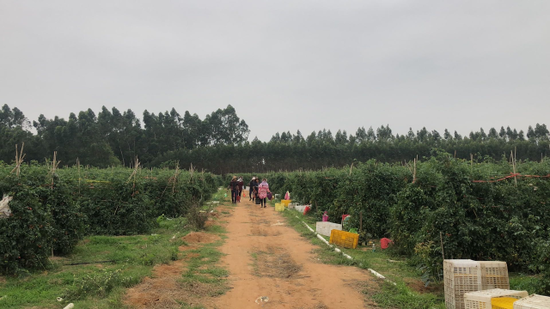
(99, 270)
(216, 229)
(203, 277)
(523, 282)
(401, 296)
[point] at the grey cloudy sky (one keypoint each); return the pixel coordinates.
(284, 65)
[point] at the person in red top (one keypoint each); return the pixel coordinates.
(263, 189)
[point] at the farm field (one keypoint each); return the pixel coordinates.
(244, 253)
(140, 238)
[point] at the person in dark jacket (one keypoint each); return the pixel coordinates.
(255, 190)
(251, 189)
(240, 184)
(234, 187)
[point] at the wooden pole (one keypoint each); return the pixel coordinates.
(514, 168)
(441, 239)
(414, 170)
(79, 178)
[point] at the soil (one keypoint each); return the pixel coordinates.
(270, 266)
(420, 287)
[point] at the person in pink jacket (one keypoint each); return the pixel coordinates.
(263, 189)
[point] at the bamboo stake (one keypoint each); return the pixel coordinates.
(134, 173)
(441, 239)
(175, 177)
(53, 168)
(414, 170)
(19, 156)
(191, 172)
(79, 178)
(514, 168)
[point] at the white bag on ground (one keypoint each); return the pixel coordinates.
(5, 210)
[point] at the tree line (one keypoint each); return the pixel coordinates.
(219, 142)
(116, 138)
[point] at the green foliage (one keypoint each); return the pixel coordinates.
(99, 283)
(450, 201)
(27, 233)
(117, 208)
(399, 296)
(541, 265)
(197, 217)
(52, 212)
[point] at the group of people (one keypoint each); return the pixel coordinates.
(258, 191)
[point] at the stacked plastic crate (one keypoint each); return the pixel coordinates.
(494, 275)
(463, 276)
(460, 277)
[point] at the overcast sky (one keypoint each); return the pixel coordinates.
(284, 65)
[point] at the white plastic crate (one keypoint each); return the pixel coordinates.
(482, 299)
(324, 228)
(494, 275)
(460, 277)
(301, 208)
(533, 302)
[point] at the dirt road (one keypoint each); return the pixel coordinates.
(272, 266)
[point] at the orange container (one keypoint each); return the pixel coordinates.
(344, 239)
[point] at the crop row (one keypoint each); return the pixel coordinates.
(52, 209)
(459, 208)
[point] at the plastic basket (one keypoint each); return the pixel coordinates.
(494, 275)
(344, 239)
(286, 202)
(533, 302)
(325, 228)
(460, 277)
(279, 207)
(484, 299)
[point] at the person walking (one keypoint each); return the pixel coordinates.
(240, 185)
(251, 189)
(255, 188)
(263, 189)
(234, 187)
